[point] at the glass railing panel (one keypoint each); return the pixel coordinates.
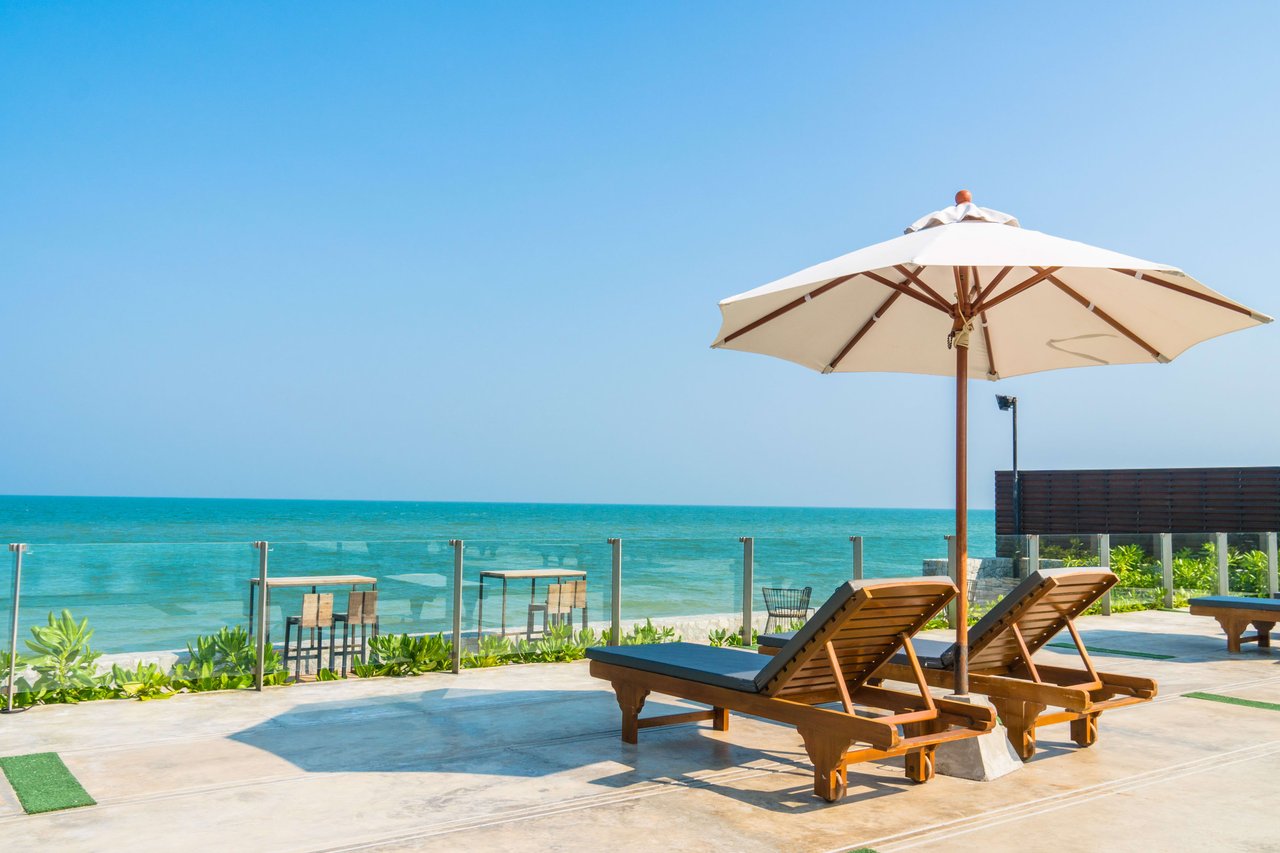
(1135, 560)
(413, 581)
(536, 601)
(795, 575)
(87, 609)
(1069, 550)
(1247, 565)
(1195, 566)
(690, 588)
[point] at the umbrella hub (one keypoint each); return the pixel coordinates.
(961, 328)
(964, 210)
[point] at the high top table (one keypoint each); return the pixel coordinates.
(532, 575)
(313, 581)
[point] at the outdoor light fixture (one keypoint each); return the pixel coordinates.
(1007, 403)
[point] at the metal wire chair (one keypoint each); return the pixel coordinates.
(786, 606)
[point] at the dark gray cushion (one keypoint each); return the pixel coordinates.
(928, 652)
(1238, 602)
(775, 641)
(732, 668)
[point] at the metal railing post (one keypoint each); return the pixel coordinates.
(953, 573)
(458, 546)
(17, 548)
(615, 595)
(748, 569)
(1104, 561)
(1166, 567)
(857, 557)
(1033, 553)
(1269, 544)
(1224, 570)
(260, 642)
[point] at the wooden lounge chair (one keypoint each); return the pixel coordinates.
(830, 659)
(1001, 646)
(1236, 613)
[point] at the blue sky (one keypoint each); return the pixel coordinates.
(473, 251)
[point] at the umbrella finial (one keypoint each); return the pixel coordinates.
(964, 197)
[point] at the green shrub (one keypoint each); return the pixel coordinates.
(641, 635)
(400, 654)
(226, 661)
(144, 682)
(65, 664)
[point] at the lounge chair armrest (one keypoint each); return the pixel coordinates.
(979, 717)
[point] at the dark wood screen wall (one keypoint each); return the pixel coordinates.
(1142, 500)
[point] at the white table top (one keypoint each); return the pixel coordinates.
(317, 580)
(516, 574)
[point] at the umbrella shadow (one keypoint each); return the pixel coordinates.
(539, 733)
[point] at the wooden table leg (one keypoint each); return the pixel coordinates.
(1264, 633)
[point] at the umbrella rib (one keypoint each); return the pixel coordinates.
(1040, 275)
(992, 286)
(1213, 300)
(982, 316)
(866, 327)
(1108, 319)
(795, 303)
(903, 288)
(915, 277)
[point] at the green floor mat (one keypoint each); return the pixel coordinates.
(43, 783)
(1098, 650)
(1232, 700)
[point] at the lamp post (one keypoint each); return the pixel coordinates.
(1006, 404)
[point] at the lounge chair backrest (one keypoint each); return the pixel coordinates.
(1041, 606)
(865, 622)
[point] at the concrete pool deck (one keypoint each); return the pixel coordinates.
(528, 757)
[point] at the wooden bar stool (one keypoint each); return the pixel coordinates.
(362, 610)
(316, 616)
(562, 600)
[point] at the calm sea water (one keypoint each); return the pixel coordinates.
(150, 573)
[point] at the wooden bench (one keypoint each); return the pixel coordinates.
(1235, 614)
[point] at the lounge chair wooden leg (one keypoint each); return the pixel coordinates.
(631, 700)
(920, 763)
(826, 751)
(720, 722)
(1084, 731)
(1019, 718)
(1233, 628)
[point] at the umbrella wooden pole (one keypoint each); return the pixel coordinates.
(962, 518)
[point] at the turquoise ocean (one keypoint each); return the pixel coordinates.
(151, 573)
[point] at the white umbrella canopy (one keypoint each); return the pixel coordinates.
(968, 292)
(1034, 302)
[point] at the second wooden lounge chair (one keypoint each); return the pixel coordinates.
(829, 660)
(1001, 646)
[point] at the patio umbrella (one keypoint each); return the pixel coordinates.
(968, 292)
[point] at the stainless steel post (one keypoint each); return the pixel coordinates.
(857, 557)
(1224, 571)
(1033, 553)
(17, 548)
(1166, 567)
(260, 646)
(615, 595)
(1104, 561)
(748, 569)
(457, 545)
(1269, 540)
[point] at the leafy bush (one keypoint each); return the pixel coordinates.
(401, 654)
(641, 635)
(225, 661)
(65, 664)
(146, 681)
(725, 637)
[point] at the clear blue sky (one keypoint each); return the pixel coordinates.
(473, 251)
